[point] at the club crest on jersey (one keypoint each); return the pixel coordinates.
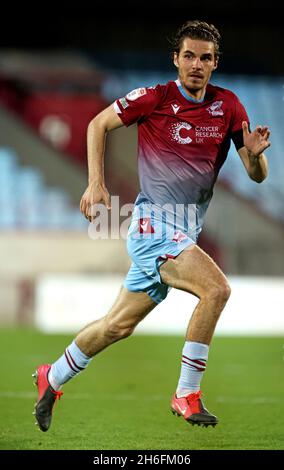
(215, 109)
(134, 94)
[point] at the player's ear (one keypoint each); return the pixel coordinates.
(175, 59)
(216, 60)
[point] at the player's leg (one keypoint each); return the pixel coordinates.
(195, 272)
(128, 310)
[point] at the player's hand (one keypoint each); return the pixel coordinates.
(257, 141)
(95, 193)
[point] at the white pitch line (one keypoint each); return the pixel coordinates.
(249, 400)
(82, 396)
(257, 400)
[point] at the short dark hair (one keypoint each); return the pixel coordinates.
(197, 29)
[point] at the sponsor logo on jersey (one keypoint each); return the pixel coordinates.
(215, 109)
(178, 132)
(209, 132)
(134, 94)
(175, 108)
(123, 103)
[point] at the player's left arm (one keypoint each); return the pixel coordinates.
(251, 153)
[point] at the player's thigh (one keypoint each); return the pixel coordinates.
(193, 271)
(130, 308)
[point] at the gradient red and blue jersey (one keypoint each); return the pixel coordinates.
(182, 143)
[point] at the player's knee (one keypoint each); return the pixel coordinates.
(117, 331)
(220, 293)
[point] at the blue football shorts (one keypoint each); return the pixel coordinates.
(151, 240)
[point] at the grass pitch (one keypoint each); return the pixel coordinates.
(122, 400)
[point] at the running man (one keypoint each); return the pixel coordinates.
(184, 133)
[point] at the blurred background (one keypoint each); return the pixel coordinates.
(58, 69)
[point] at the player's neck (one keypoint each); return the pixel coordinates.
(196, 95)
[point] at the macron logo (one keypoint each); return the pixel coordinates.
(175, 108)
(145, 225)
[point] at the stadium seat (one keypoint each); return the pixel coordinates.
(26, 202)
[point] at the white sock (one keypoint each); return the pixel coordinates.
(193, 365)
(70, 364)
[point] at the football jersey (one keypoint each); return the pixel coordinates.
(182, 143)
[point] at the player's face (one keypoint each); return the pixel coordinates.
(195, 62)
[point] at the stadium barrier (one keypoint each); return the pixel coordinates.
(66, 303)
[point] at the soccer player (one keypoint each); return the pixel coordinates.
(184, 133)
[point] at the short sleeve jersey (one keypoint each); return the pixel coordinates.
(182, 144)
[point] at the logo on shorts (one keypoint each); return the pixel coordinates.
(145, 225)
(179, 237)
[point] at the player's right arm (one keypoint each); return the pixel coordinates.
(96, 191)
(135, 106)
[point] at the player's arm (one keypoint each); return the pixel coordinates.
(96, 191)
(252, 154)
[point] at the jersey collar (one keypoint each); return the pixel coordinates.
(185, 95)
